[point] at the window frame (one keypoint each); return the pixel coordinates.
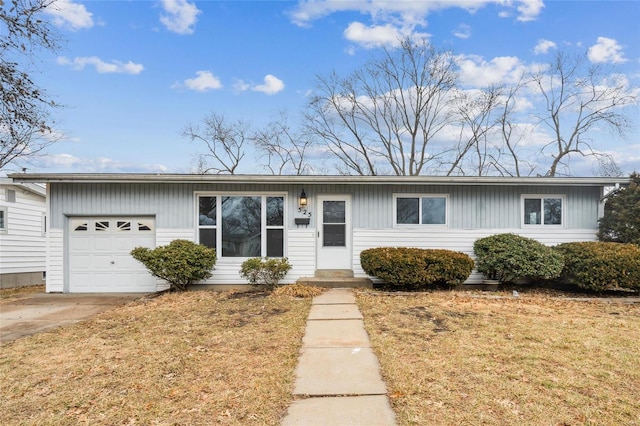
(5, 222)
(420, 197)
(264, 227)
(542, 197)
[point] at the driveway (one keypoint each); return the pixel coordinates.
(36, 312)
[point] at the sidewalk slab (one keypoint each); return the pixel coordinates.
(334, 312)
(370, 410)
(338, 371)
(335, 334)
(335, 296)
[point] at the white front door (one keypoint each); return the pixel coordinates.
(334, 232)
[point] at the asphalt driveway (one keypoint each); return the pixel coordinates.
(36, 312)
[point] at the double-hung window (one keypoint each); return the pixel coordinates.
(543, 210)
(420, 209)
(242, 225)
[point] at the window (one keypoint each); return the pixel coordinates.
(242, 225)
(3, 219)
(421, 209)
(543, 210)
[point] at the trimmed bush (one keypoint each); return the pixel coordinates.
(413, 268)
(180, 263)
(510, 257)
(601, 266)
(267, 272)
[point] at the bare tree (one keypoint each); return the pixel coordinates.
(578, 98)
(476, 113)
(224, 141)
(286, 149)
(25, 123)
(381, 118)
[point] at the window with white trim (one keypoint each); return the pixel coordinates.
(242, 225)
(3, 219)
(543, 210)
(420, 209)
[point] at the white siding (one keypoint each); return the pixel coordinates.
(22, 245)
(301, 253)
(55, 261)
(451, 239)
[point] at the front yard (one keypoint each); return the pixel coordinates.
(448, 358)
(455, 358)
(195, 358)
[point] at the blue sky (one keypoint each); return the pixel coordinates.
(132, 74)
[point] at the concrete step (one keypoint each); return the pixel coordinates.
(334, 273)
(336, 282)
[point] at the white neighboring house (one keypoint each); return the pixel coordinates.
(22, 234)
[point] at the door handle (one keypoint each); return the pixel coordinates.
(113, 262)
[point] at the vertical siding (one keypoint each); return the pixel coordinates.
(470, 207)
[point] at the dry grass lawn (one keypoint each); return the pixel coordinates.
(195, 358)
(452, 358)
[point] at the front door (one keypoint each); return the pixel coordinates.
(334, 232)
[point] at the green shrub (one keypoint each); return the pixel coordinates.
(509, 257)
(601, 265)
(621, 220)
(180, 263)
(267, 272)
(414, 268)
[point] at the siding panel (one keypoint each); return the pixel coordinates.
(55, 264)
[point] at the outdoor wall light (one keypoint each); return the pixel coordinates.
(303, 200)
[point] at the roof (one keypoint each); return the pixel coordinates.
(313, 179)
(36, 188)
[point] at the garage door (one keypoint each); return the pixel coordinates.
(99, 259)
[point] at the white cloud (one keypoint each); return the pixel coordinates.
(115, 67)
(543, 46)
(529, 10)
(67, 163)
(463, 31)
(475, 71)
(373, 36)
(66, 13)
(204, 81)
(241, 85)
(606, 50)
(180, 16)
(271, 86)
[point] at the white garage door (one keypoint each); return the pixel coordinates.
(99, 259)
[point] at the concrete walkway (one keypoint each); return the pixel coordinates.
(338, 376)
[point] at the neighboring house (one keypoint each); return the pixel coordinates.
(22, 234)
(319, 222)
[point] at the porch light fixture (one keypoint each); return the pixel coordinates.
(303, 200)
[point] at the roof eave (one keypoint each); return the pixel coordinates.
(311, 179)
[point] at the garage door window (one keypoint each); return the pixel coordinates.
(242, 225)
(112, 225)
